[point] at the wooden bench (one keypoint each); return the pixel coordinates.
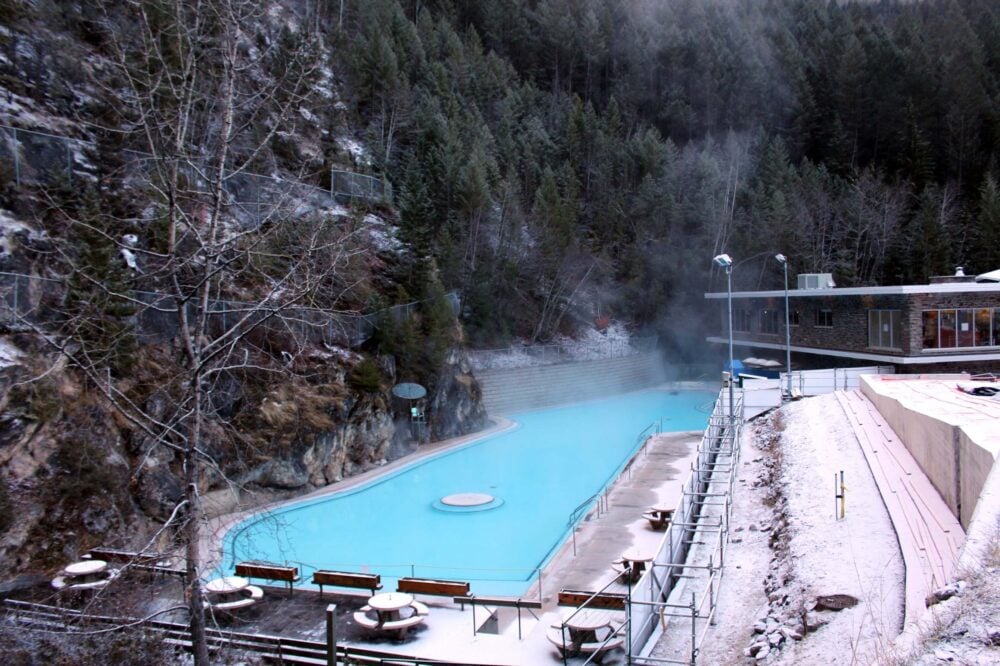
(602, 600)
(599, 649)
(531, 605)
(402, 625)
(364, 581)
(289, 575)
(441, 588)
(361, 617)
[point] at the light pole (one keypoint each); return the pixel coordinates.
(783, 260)
(726, 262)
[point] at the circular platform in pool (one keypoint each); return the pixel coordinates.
(465, 502)
(467, 499)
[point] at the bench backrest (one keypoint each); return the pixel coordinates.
(267, 571)
(347, 579)
(444, 588)
(603, 600)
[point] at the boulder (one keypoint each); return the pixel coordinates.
(282, 474)
(158, 491)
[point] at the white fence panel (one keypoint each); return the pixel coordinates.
(759, 395)
(818, 382)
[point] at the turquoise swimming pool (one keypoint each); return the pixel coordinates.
(537, 473)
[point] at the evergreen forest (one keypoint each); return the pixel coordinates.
(561, 159)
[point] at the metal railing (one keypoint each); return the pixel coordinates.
(693, 548)
(27, 616)
(819, 382)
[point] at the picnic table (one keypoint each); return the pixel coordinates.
(231, 593)
(633, 563)
(394, 612)
(83, 575)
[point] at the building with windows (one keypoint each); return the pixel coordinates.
(950, 325)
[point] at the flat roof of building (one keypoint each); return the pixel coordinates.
(946, 288)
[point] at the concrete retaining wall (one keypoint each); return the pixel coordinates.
(519, 389)
(949, 454)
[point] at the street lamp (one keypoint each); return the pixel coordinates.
(783, 260)
(726, 262)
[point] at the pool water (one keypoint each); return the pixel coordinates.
(536, 474)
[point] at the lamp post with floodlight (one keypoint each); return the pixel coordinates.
(783, 260)
(726, 262)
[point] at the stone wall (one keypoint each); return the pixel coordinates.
(518, 389)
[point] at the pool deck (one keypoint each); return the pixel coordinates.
(654, 478)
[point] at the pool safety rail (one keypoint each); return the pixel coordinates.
(601, 496)
(679, 591)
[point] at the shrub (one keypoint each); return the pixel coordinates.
(365, 376)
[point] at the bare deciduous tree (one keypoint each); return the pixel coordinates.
(204, 89)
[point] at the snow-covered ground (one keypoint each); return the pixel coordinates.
(792, 562)
(790, 558)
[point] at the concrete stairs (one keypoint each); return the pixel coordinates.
(518, 389)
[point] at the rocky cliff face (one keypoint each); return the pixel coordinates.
(294, 393)
(457, 407)
(76, 475)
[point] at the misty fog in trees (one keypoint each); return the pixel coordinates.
(546, 148)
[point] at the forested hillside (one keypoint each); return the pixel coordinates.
(229, 227)
(564, 157)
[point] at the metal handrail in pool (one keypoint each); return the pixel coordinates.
(577, 513)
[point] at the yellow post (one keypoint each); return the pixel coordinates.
(843, 494)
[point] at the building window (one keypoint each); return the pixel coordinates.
(769, 321)
(985, 336)
(793, 318)
(931, 338)
(885, 329)
(967, 327)
(824, 318)
(742, 319)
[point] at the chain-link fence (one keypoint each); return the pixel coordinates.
(39, 158)
(348, 186)
(31, 299)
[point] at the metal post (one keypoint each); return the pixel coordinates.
(732, 373)
(788, 336)
(694, 631)
(331, 635)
